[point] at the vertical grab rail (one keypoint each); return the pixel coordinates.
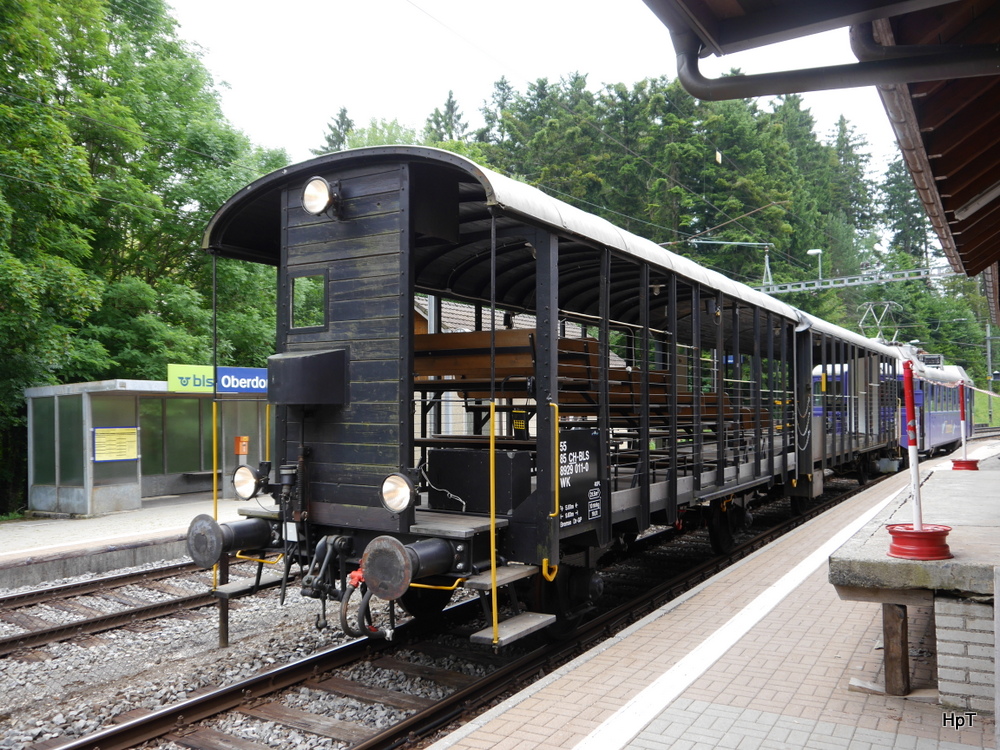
(555, 428)
(549, 574)
(493, 523)
(215, 478)
(267, 431)
(493, 427)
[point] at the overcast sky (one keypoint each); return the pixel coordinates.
(285, 69)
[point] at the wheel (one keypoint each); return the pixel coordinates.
(576, 590)
(424, 604)
(863, 471)
(721, 523)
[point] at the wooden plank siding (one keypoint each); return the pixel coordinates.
(354, 446)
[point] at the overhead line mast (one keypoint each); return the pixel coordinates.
(861, 279)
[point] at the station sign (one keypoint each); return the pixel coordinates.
(190, 379)
(242, 379)
(199, 379)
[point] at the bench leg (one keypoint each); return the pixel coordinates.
(896, 649)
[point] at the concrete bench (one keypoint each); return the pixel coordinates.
(959, 590)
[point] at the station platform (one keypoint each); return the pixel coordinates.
(763, 655)
(36, 550)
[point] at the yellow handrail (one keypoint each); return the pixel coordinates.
(493, 523)
(555, 452)
(549, 574)
(215, 479)
(241, 556)
(267, 431)
(452, 587)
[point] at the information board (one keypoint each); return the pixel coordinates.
(579, 477)
(116, 444)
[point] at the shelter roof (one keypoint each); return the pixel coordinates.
(937, 67)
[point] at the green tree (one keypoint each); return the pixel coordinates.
(337, 131)
(494, 129)
(447, 124)
(903, 214)
(381, 132)
(851, 189)
(146, 328)
(113, 156)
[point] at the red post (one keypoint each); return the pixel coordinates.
(961, 404)
(911, 442)
(916, 541)
(964, 463)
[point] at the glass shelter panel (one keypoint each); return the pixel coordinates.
(206, 431)
(151, 435)
(43, 443)
(71, 451)
(182, 434)
(114, 411)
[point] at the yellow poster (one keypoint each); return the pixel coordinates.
(116, 443)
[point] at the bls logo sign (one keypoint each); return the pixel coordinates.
(196, 381)
(190, 379)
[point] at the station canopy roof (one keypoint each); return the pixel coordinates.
(936, 64)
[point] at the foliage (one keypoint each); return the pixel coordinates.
(447, 124)
(114, 154)
(903, 214)
(381, 132)
(148, 327)
(337, 131)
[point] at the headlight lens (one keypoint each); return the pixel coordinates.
(397, 493)
(247, 482)
(316, 196)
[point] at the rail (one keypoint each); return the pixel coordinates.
(426, 721)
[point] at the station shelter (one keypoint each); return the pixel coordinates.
(103, 447)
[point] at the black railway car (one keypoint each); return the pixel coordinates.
(477, 384)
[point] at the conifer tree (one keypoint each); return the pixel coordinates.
(337, 131)
(447, 124)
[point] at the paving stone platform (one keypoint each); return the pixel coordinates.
(760, 656)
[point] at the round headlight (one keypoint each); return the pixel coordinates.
(316, 196)
(247, 482)
(397, 493)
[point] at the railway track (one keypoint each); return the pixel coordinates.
(985, 432)
(58, 613)
(335, 672)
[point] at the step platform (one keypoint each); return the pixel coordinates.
(506, 575)
(245, 587)
(514, 628)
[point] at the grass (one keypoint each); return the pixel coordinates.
(17, 515)
(981, 409)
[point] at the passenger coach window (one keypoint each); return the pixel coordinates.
(308, 301)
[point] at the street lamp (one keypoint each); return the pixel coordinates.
(819, 258)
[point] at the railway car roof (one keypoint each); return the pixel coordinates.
(821, 326)
(248, 225)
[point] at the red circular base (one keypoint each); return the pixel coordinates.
(927, 544)
(965, 464)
